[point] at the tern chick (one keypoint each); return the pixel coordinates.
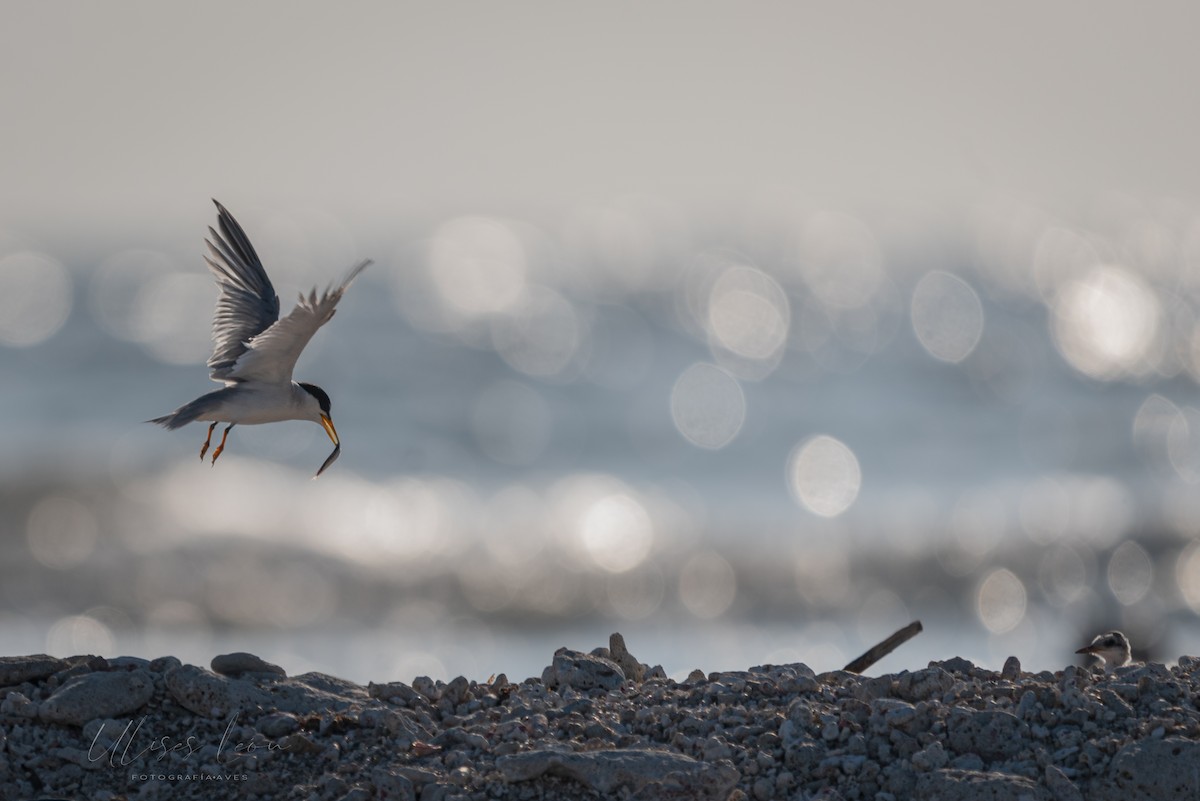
(1112, 647)
(255, 351)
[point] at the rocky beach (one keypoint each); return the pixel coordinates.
(596, 724)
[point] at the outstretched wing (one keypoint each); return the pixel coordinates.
(272, 355)
(248, 304)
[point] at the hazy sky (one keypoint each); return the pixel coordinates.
(123, 113)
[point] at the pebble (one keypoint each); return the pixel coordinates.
(1166, 768)
(17, 705)
(277, 725)
(581, 671)
(606, 772)
(239, 663)
(633, 669)
(98, 695)
(20, 669)
(992, 734)
(969, 785)
(392, 785)
(209, 695)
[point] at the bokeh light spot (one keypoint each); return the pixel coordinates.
(1106, 323)
(1130, 573)
(840, 260)
(617, 533)
(478, 265)
(116, 286)
(36, 299)
(1183, 443)
(172, 317)
(539, 334)
(79, 634)
(748, 313)
(824, 476)
(1187, 575)
(1000, 601)
(708, 406)
(1063, 574)
(947, 316)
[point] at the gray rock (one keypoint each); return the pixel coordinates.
(803, 756)
(79, 668)
(329, 686)
(356, 794)
(607, 771)
(1012, 669)
(98, 695)
(395, 692)
(871, 689)
(164, 663)
(400, 726)
(392, 785)
(418, 776)
(240, 662)
(992, 734)
(17, 705)
(457, 691)
(923, 685)
(582, 671)
(633, 669)
(300, 744)
(20, 669)
(955, 664)
(426, 687)
(1114, 703)
(931, 757)
(209, 695)
(968, 762)
(967, 785)
(439, 792)
(128, 663)
(1060, 787)
(1027, 706)
(1152, 769)
(277, 724)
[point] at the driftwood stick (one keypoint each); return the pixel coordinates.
(880, 650)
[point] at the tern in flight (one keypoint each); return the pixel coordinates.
(254, 351)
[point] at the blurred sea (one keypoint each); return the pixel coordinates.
(769, 435)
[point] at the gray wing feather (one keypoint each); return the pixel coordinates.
(248, 305)
(271, 355)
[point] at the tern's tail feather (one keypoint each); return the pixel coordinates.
(191, 411)
(174, 420)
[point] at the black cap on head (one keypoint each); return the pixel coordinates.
(318, 393)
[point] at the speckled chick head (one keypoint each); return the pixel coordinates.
(1112, 647)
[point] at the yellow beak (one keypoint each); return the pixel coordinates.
(327, 424)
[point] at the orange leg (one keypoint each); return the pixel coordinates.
(207, 440)
(221, 447)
